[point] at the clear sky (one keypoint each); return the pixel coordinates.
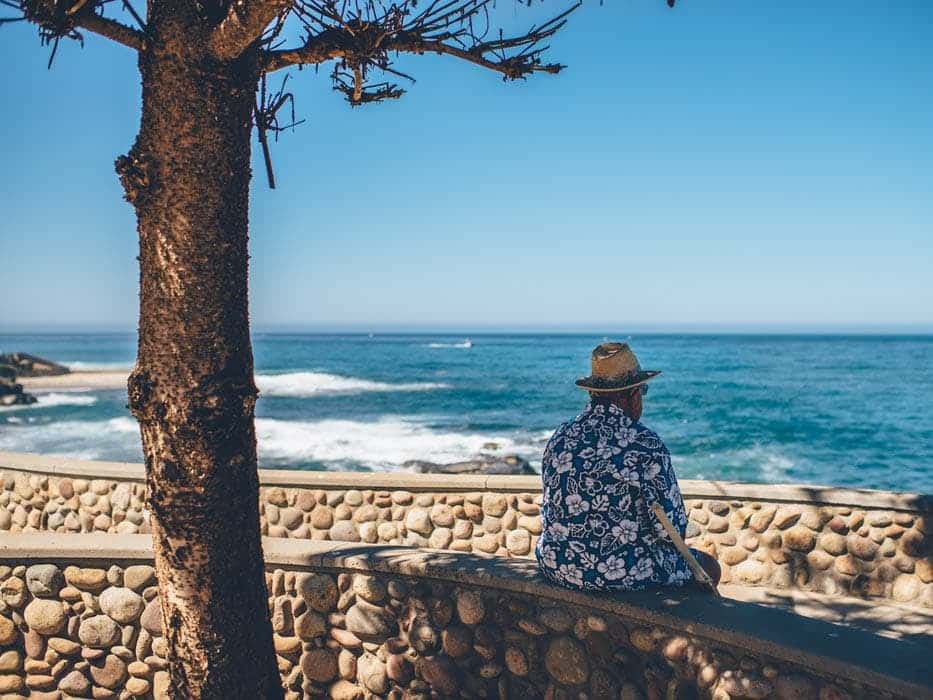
(727, 162)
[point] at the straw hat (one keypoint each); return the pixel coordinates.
(615, 368)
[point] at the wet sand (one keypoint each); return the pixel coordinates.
(102, 379)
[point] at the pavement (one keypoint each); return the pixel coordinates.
(911, 625)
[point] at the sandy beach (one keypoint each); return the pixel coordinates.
(92, 379)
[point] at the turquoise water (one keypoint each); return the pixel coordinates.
(835, 410)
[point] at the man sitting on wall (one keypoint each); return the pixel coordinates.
(602, 473)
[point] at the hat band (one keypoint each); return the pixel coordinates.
(618, 383)
(619, 378)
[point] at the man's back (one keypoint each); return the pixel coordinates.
(601, 473)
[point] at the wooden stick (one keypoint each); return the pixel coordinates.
(681, 546)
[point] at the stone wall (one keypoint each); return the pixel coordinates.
(831, 549)
(79, 618)
(835, 541)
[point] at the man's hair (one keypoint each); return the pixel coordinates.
(608, 397)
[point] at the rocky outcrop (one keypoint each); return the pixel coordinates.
(11, 393)
(20, 364)
(26, 365)
(509, 464)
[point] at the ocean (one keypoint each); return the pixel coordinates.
(833, 410)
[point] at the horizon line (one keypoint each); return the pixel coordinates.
(355, 328)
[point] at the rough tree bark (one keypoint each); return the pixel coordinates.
(192, 389)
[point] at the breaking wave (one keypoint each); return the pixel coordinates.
(758, 463)
(81, 366)
(333, 444)
(304, 384)
(463, 345)
(113, 439)
(55, 399)
(381, 444)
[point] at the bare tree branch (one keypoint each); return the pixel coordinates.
(266, 118)
(128, 6)
(326, 46)
(110, 28)
(61, 19)
(245, 22)
(444, 27)
(512, 68)
(362, 35)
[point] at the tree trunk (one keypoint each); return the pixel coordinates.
(192, 389)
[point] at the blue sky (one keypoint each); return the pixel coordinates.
(723, 163)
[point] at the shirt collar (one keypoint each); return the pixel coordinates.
(608, 409)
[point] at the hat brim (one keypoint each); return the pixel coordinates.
(599, 384)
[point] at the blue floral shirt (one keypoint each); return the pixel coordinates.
(601, 473)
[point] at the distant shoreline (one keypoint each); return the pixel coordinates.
(84, 379)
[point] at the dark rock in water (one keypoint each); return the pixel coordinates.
(12, 394)
(20, 364)
(509, 464)
(26, 365)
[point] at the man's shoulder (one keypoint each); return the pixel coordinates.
(571, 430)
(643, 429)
(645, 437)
(565, 429)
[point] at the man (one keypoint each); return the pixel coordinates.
(602, 472)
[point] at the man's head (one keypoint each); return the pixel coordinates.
(617, 378)
(631, 401)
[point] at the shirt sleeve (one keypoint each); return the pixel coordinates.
(549, 450)
(549, 472)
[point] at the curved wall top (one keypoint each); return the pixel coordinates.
(692, 489)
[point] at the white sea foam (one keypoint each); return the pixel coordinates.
(305, 384)
(765, 462)
(64, 398)
(116, 438)
(770, 463)
(81, 366)
(385, 443)
(464, 345)
(774, 466)
(338, 444)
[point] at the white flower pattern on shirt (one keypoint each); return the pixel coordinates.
(601, 472)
